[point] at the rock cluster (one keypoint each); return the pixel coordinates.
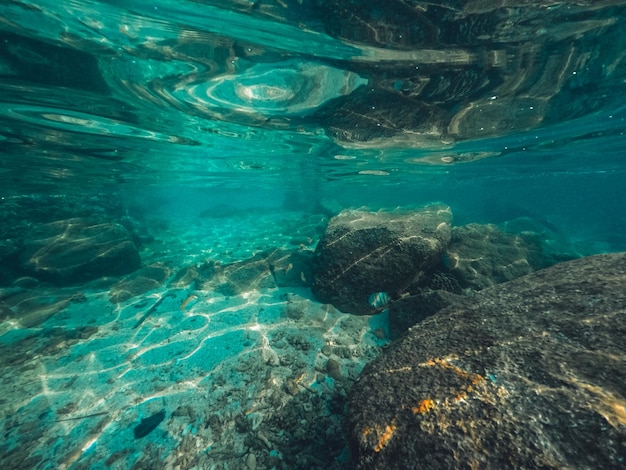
(414, 263)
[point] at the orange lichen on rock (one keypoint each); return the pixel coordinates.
(462, 393)
(384, 435)
(423, 406)
(445, 363)
(611, 407)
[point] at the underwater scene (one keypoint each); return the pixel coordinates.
(312, 234)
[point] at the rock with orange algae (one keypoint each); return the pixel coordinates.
(526, 374)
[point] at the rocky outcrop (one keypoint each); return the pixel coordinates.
(364, 253)
(145, 279)
(29, 222)
(275, 267)
(77, 250)
(527, 374)
(482, 255)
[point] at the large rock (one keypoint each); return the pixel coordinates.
(482, 255)
(77, 250)
(527, 374)
(363, 253)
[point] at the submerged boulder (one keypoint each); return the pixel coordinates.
(275, 267)
(78, 249)
(482, 255)
(526, 374)
(145, 279)
(368, 253)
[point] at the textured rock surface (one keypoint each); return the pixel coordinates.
(141, 281)
(526, 374)
(483, 255)
(366, 252)
(413, 309)
(77, 250)
(270, 268)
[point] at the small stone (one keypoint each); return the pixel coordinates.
(292, 387)
(333, 368)
(149, 424)
(380, 333)
(251, 461)
(327, 350)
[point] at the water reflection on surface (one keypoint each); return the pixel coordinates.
(191, 82)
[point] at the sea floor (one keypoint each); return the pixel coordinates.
(185, 377)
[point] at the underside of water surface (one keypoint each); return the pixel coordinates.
(168, 169)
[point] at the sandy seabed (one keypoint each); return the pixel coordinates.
(185, 378)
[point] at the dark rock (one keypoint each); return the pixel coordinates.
(149, 424)
(362, 253)
(482, 255)
(333, 369)
(526, 374)
(147, 278)
(409, 310)
(79, 249)
(18, 213)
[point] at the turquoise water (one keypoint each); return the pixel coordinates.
(263, 103)
(225, 128)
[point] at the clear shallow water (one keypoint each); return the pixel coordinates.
(217, 116)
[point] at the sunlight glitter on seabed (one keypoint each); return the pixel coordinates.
(200, 346)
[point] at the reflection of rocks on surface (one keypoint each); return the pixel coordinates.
(79, 249)
(367, 116)
(362, 253)
(477, 68)
(528, 374)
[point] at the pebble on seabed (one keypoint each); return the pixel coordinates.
(251, 461)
